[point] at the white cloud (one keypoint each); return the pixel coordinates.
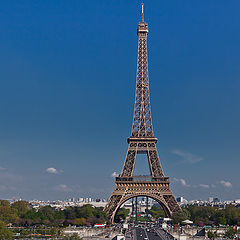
(2, 169)
(187, 157)
(63, 188)
(114, 174)
(52, 170)
(204, 185)
(181, 181)
(226, 184)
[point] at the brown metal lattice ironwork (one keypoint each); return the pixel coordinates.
(142, 141)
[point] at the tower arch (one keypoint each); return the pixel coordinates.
(158, 199)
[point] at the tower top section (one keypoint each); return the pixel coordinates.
(142, 120)
(142, 26)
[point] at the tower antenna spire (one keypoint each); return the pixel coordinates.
(142, 12)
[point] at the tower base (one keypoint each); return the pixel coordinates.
(146, 186)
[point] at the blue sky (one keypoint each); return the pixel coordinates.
(67, 78)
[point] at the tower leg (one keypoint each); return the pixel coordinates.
(136, 210)
(147, 207)
(132, 207)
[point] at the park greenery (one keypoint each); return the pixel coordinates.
(19, 217)
(5, 233)
(156, 212)
(49, 221)
(21, 214)
(122, 214)
(206, 215)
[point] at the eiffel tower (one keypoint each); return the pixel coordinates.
(142, 141)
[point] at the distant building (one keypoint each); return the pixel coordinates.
(216, 200)
(210, 199)
(180, 199)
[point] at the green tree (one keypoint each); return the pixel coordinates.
(222, 220)
(79, 221)
(232, 214)
(24, 233)
(46, 213)
(219, 217)
(178, 217)
(85, 211)
(59, 214)
(55, 232)
(70, 213)
(7, 214)
(30, 217)
(92, 214)
(156, 212)
(122, 214)
(230, 233)
(210, 234)
(93, 220)
(5, 233)
(21, 206)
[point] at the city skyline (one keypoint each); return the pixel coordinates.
(61, 88)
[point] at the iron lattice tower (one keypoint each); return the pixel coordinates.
(142, 141)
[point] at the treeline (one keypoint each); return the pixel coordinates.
(21, 214)
(213, 216)
(202, 215)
